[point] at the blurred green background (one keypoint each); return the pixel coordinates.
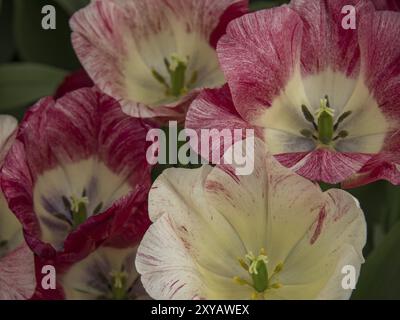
(33, 62)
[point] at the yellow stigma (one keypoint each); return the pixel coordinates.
(177, 60)
(324, 108)
(277, 285)
(254, 261)
(118, 278)
(119, 285)
(324, 130)
(76, 202)
(78, 209)
(256, 267)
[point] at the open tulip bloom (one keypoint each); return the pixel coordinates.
(17, 272)
(325, 98)
(153, 55)
(107, 273)
(269, 235)
(76, 173)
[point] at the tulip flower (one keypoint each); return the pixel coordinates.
(153, 55)
(323, 95)
(269, 235)
(107, 273)
(17, 271)
(76, 164)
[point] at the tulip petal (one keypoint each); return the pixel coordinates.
(8, 126)
(121, 44)
(213, 113)
(332, 242)
(205, 219)
(80, 146)
(17, 275)
(256, 71)
(177, 204)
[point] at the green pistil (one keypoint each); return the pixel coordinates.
(78, 209)
(325, 122)
(258, 271)
(324, 127)
(176, 68)
(119, 288)
(177, 75)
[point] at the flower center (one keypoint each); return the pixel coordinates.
(325, 130)
(258, 272)
(119, 285)
(178, 84)
(77, 206)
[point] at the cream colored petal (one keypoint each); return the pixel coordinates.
(179, 194)
(335, 240)
(8, 126)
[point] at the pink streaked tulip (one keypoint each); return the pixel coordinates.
(153, 55)
(17, 269)
(324, 98)
(269, 235)
(77, 165)
(107, 273)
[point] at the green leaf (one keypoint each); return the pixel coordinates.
(380, 275)
(259, 5)
(35, 44)
(6, 31)
(71, 6)
(22, 84)
(380, 202)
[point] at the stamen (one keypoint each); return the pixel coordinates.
(325, 127)
(241, 282)
(278, 268)
(98, 208)
(259, 274)
(342, 134)
(308, 116)
(243, 264)
(306, 133)
(276, 285)
(160, 79)
(341, 119)
(193, 79)
(176, 67)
